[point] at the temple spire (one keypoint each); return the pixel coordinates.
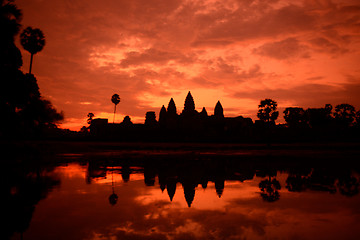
(171, 109)
(189, 105)
(219, 111)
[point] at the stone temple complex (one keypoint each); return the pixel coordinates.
(186, 125)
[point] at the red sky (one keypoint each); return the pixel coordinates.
(299, 53)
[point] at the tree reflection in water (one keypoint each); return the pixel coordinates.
(269, 189)
(189, 172)
(27, 180)
(113, 198)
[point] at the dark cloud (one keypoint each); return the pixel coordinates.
(315, 78)
(285, 49)
(261, 23)
(322, 44)
(153, 56)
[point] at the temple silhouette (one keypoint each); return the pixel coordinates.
(189, 124)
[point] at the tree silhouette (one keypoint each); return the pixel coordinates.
(115, 99)
(12, 78)
(357, 116)
(10, 17)
(24, 111)
(294, 116)
(90, 118)
(296, 183)
(113, 198)
(345, 114)
(319, 117)
(348, 185)
(269, 189)
(267, 110)
(33, 41)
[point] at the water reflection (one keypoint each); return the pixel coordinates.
(193, 173)
(181, 197)
(24, 184)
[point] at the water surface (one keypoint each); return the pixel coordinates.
(183, 195)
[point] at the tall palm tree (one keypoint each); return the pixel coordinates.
(33, 41)
(115, 99)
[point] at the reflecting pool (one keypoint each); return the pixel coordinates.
(165, 194)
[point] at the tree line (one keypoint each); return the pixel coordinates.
(344, 115)
(24, 112)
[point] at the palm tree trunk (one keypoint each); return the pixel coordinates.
(114, 113)
(31, 60)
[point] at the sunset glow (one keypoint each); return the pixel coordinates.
(302, 53)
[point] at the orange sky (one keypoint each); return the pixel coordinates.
(300, 53)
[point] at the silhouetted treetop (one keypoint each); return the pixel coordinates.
(345, 114)
(10, 56)
(357, 116)
(294, 116)
(10, 17)
(319, 117)
(90, 117)
(32, 40)
(115, 99)
(269, 189)
(267, 110)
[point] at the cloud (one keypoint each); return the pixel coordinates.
(257, 21)
(306, 95)
(153, 56)
(285, 49)
(322, 44)
(150, 50)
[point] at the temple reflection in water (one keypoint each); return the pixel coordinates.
(196, 172)
(153, 193)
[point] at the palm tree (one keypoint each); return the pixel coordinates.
(33, 41)
(115, 99)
